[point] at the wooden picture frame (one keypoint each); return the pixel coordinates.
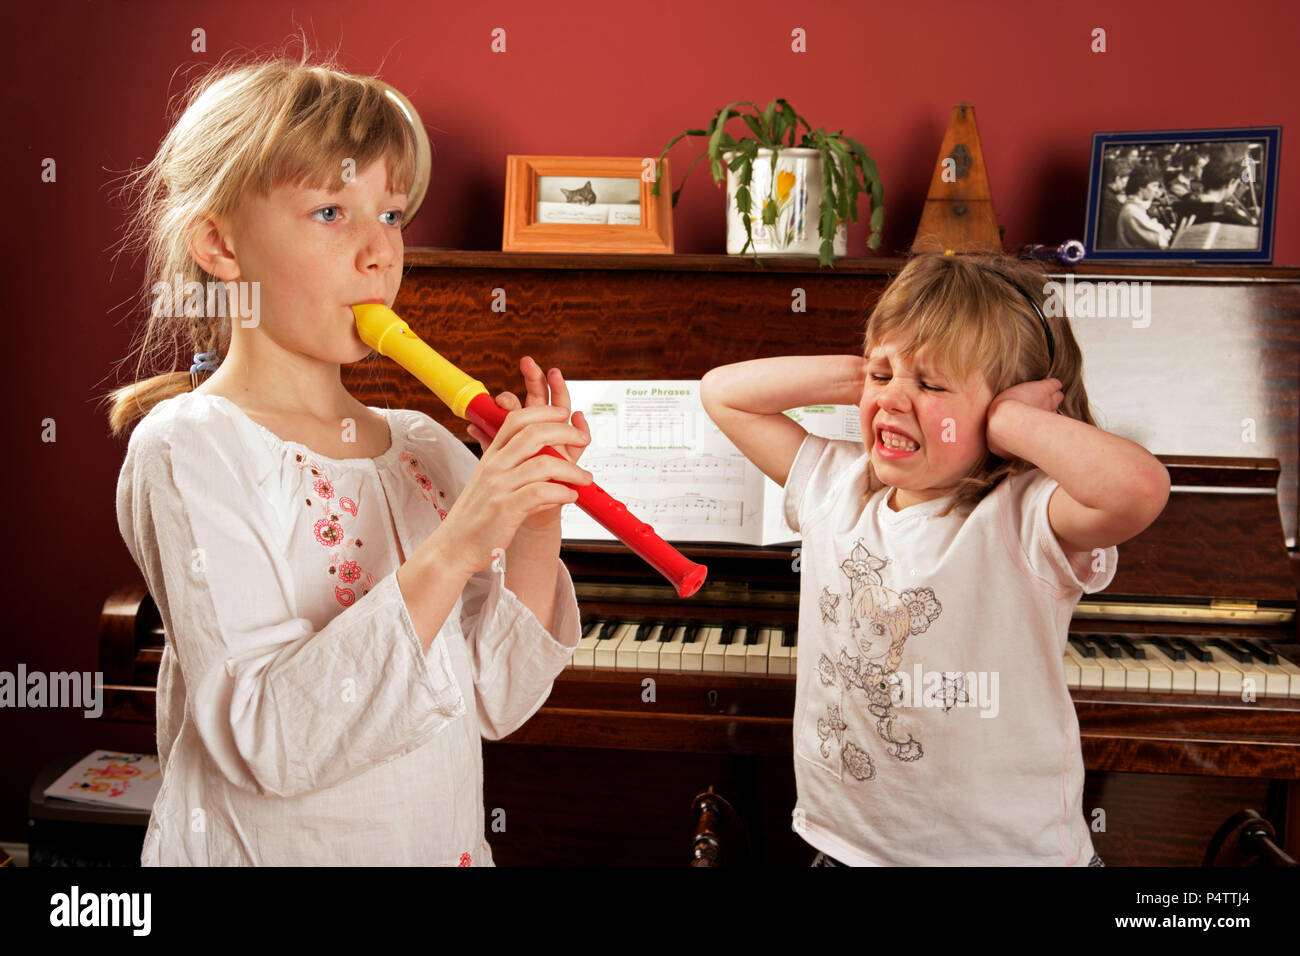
(534, 180)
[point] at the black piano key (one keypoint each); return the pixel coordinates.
(1195, 652)
(1105, 646)
(643, 631)
(667, 631)
(751, 634)
(1265, 655)
(1168, 648)
(608, 631)
(728, 635)
(1236, 653)
(1133, 650)
(692, 631)
(1084, 648)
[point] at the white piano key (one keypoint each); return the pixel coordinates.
(779, 656)
(670, 653)
(1114, 675)
(1293, 673)
(715, 652)
(625, 655)
(1137, 678)
(647, 655)
(607, 650)
(1090, 673)
(733, 661)
(1182, 678)
(1276, 680)
(1071, 671)
(693, 653)
(756, 653)
(1207, 676)
(584, 655)
(1231, 673)
(1271, 680)
(1160, 677)
(1260, 673)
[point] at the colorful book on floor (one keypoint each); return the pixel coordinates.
(110, 778)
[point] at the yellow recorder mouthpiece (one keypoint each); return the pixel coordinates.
(385, 332)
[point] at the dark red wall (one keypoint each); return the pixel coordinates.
(88, 84)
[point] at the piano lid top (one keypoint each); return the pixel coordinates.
(1219, 537)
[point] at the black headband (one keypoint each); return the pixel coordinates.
(1051, 344)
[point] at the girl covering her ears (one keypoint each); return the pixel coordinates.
(351, 599)
(941, 565)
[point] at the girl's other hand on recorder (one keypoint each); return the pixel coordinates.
(513, 486)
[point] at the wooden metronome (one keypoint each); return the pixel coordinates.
(958, 213)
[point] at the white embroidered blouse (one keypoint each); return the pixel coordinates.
(299, 720)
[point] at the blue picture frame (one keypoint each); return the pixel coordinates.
(1232, 222)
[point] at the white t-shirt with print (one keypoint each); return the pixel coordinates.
(933, 725)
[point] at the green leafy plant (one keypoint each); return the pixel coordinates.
(847, 168)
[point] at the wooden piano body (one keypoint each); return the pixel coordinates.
(607, 770)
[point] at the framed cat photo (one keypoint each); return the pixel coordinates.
(1204, 195)
(598, 204)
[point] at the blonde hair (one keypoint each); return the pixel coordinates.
(970, 315)
(245, 128)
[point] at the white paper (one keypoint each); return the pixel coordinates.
(656, 450)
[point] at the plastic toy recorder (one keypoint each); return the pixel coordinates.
(385, 332)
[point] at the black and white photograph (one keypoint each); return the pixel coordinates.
(1188, 194)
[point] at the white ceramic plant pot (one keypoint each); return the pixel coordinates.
(796, 193)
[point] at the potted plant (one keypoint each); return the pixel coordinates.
(825, 170)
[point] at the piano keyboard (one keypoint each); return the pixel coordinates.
(682, 647)
(1151, 664)
(1147, 664)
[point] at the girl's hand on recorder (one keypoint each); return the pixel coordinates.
(529, 499)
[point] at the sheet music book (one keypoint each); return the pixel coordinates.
(654, 448)
(112, 779)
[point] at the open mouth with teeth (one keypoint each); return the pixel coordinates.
(891, 441)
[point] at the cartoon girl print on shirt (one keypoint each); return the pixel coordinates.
(880, 622)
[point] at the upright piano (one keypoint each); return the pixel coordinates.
(1185, 672)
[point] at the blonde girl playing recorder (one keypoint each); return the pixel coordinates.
(941, 565)
(351, 599)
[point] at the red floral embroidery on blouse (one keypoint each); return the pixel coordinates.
(464, 859)
(330, 533)
(427, 491)
(349, 571)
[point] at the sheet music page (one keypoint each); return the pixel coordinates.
(836, 422)
(656, 450)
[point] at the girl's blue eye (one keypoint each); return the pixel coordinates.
(931, 388)
(396, 213)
